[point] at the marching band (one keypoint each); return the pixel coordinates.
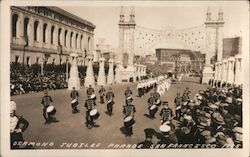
(213, 116)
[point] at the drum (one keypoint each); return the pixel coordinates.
(153, 108)
(129, 121)
(74, 102)
(129, 98)
(178, 107)
(51, 110)
(158, 102)
(93, 96)
(94, 114)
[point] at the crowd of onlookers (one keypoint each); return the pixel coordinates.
(27, 81)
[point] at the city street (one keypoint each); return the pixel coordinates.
(71, 128)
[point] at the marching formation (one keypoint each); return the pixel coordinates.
(213, 116)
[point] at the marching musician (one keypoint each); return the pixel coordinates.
(90, 90)
(139, 88)
(156, 96)
(17, 125)
(89, 105)
(128, 94)
(46, 102)
(102, 94)
(166, 113)
(129, 110)
(74, 100)
(177, 102)
(151, 102)
(110, 101)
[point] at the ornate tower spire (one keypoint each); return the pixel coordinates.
(121, 15)
(208, 14)
(132, 15)
(220, 15)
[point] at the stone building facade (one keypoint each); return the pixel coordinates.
(48, 35)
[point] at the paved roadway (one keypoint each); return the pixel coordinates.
(71, 128)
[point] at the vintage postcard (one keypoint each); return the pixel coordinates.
(124, 78)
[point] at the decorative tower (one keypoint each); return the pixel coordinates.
(126, 43)
(213, 48)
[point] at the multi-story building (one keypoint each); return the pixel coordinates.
(48, 35)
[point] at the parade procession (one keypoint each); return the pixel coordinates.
(108, 84)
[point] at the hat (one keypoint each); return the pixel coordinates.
(165, 102)
(213, 106)
(12, 106)
(199, 97)
(206, 133)
(237, 130)
(239, 99)
(218, 118)
(164, 128)
(188, 117)
(149, 132)
(229, 100)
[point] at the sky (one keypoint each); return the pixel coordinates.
(157, 16)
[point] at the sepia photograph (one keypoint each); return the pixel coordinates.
(125, 77)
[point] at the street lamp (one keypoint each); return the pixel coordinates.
(59, 49)
(26, 39)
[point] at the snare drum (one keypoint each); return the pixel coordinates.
(129, 121)
(93, 96)
(158, 102)
(153, 108)
(51, 110)
(74, 102)
(94, 114)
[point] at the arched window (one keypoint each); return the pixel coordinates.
(52, 33)
(35, 30)
(65, 37)
(81, 42)
(88, 43)
(44, 32)
(71, 35)
(25, 28)
(76, 41)
(14, 25)
(59, 34)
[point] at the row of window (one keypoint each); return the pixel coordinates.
(56, 16)
(44, 33)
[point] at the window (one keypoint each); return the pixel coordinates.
(52, 33)
(25, 28)
(27, 60)
(14, 25)
(16, 59)
(35, 30)
(37, 60)
(44, 32)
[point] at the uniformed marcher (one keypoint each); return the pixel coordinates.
(164, 137)
(89, 105)
(166, 113)
(90, 90)
(102, 93)
(152, 106)
(18, 124)
(139, 89)
(47, 103)
(74, 100)
(128, 112)
(178, 102)
(110, 100)
(149, 133)
(128, 94)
